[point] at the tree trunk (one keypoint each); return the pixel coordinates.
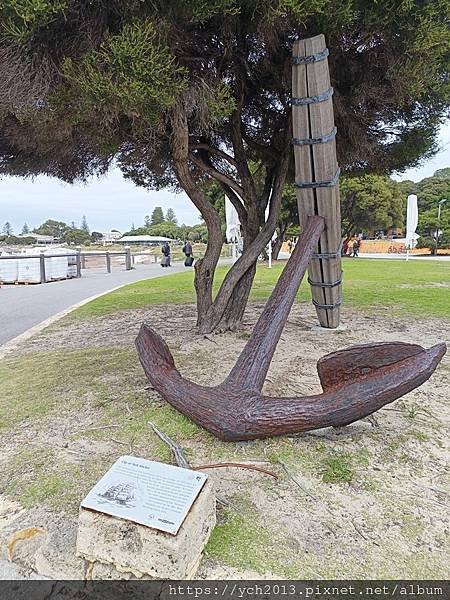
(204, 276)
(232, 316)
(226, 310)
(276, 247)
(226, 315)
(206, 266)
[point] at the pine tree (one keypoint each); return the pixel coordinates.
(84, 224)
(7, 228)
(171, 217)
(132, 227)
(25, 229)
(147, 221)
(139, 90)
(157, 216)
(73, 225)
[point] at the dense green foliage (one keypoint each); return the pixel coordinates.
(430, 192)
(51, 227)
(96, 236)
(14, 240)
(76, 237)
(65, 233)
(171, 217)
(370, 203)
(132, 73)
(21, 18)
(84, 224)
(90, 80)
(7, 228)
(194, 233)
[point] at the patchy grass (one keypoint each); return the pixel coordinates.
(296, 453)
(244, 542)
(337, 469)
(81, 410)
(240, 542)
(420, 437)
(39, 476)
(66, 416)
(414, 287)
(34, 385)
(77, 420)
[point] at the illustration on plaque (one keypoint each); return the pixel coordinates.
(122, 494)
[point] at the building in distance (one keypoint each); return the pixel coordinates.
(110, 237)
(143, 240)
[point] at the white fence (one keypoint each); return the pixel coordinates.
(50, 265)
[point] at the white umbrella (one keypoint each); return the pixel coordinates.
(233, 233)
(412, 218)
(274, 236)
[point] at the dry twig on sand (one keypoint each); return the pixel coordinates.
(238, 465)
(177, 451)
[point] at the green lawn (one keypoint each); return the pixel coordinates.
(419, 288)
(66, 415)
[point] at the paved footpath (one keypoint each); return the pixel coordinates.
(24, 306)
(379, 255)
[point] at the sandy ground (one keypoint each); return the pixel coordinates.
(390, 521)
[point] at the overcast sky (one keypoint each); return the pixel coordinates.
(115, 203)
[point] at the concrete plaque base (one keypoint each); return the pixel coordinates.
(142, 551)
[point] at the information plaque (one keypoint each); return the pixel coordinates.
(146, 492)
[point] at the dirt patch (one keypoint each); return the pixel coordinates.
(364, 501)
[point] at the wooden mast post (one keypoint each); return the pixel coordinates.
(317, 172)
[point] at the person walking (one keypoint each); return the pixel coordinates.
(345, 246)
(165, 261)
(187, 250)
(356, 247)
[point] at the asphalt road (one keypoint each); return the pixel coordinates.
(23, 306)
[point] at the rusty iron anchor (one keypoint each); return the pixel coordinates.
(356, 381)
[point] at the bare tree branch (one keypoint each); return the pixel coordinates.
(219, 153)
(218, 175)
(247, 181)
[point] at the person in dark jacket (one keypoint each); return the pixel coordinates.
(187, 249)
(345, 246)
(165, 262)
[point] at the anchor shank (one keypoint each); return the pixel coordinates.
(252, 365)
